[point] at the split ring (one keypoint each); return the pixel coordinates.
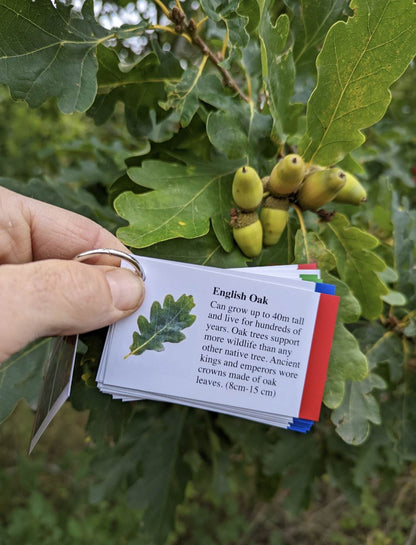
(138, 269)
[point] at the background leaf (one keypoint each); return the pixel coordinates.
(235, 22)
(388, 350)
(369, 53)
(404, 232)
(185, 96)
(140, 86)
(165, 474)
(278, 73)
(407, 422)
(54, 49)
(21, 376)
(310, 249)
(67, 195)
(149, 457)
(346, 362)
(357, 265)
(349, 309)
(358, 409)
(302, 469)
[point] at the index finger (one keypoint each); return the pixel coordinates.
(31, 230)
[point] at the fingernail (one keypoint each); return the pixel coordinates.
(126, 289)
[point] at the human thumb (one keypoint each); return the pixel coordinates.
(57, 297)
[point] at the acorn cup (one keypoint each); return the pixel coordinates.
(274, 216)
(247, 189)
(320, 188)
(352, 192)
(247, 232)
(287, 175)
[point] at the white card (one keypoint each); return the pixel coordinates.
(247, 351)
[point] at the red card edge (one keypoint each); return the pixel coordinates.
(313, 389)
(307, 266)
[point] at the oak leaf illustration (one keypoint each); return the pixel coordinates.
(165, 325)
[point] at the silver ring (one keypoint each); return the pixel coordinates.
(116, 253)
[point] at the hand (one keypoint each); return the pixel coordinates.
(42, 291)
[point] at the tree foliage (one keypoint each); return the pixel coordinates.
(215, 86)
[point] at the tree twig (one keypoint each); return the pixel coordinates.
(189, 30)
(171, 30)
(162, 7)
(228, 79)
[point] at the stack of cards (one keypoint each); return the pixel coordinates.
(252, 342)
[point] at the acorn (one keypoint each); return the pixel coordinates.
(273, 217)
(287, 175)
(320, 188)
(247, 189)
(352, 192)
(247, 232)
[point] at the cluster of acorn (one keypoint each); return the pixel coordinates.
(289, 182)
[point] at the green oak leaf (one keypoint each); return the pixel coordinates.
(394, 298)
(140, 86)
(349, 309)
(204, 250)
(359, 61)
(165, 325)
(49, 51)
(155, 67)
(240, 131)
(350, 164)
(346, 362)
(310, 21)
(389, 275)
(251, 63)
(251, 10)
(355, 405)
(388, 350)
(358, 409)
(215, 9)
(227, 133)
(309, 248)
(185, 96)
(357, 265)
(183, 200)
(237, 35)
(126, 31)
(21, 376)
(65, 195)
(228, 13)
(279, 72)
